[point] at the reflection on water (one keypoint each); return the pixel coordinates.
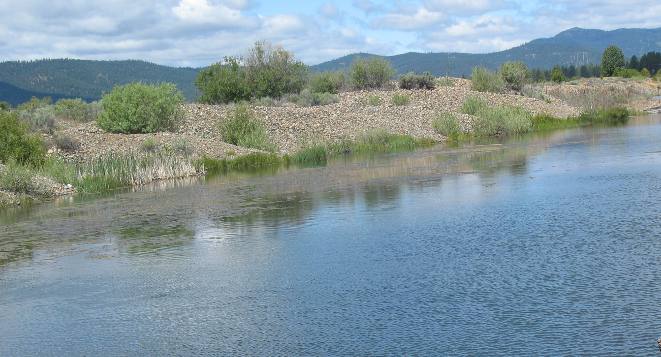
(544, 243)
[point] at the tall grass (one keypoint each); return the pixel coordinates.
(243, 128)
(447, 124)
(484, 80)
(250, 162)
(373, 142)
(497, 120)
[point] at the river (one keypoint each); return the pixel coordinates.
(544, 245)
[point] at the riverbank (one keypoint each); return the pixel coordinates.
(376, 121)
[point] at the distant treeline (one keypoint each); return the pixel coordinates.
(584, 71)
(651, 61)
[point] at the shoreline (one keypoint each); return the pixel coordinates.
(299, 133)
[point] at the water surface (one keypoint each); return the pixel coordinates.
(544, 245)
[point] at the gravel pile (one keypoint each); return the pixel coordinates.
(292, 127)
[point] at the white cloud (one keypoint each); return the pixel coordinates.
(463, 6)
(203, 12)
(397, 20)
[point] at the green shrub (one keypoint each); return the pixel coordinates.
(557, 75)
(370, 73)
(16, 178)
(242, 128)
(374, 100)
(66, 143)
(472, 105)
(484, 80)
(417, 81)
(515, 74)
(34, 103)
(223, 83)
(611, 61)
(311, 99)
(447, 124)
(273, 71)
(5, 106)
(17, 144)
(327, 82)
(400, 99)
(41, 119)
(141, 108)
(76, 109)
(645, 73)
(627, 73)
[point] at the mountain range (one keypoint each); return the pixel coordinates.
(69, 78)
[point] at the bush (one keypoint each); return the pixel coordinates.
(16, 178)
(223, 83)
(611, 61)
(627, 73)
(242, 128)
(76, 109)
(66, 143)
(371, 73)
(400, 99)
(447, 124)
(557, 75)
(483, 80)
(273, 71)
(41, 119)
(5, 106)
(141, 108)
(515, 74)
(17, 144)
(473, 105)
(645, 73)
(327, 82)
(311, 99)
(35, 103)
(417, 81)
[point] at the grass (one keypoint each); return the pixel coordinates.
(243, 128)
(473, 105)
(373, 100)
(248, 162)
(401, 99)
(447, 124)
(484, 80)
(374, 142)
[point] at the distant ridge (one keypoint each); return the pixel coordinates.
(90, 79)
(575, 46)
(60, 78)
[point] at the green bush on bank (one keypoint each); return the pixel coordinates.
(515, 74)
(309, 98)
(372, 73)
(484, 80)
(5, 105)
(267, 71)
(417, 81)
(17, 144)
(242, 128)
(327, 82)
(77, 110)
(141, 108)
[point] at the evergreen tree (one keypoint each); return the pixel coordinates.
(633, 63)
(611, 61)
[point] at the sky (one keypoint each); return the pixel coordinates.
(200, 32)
